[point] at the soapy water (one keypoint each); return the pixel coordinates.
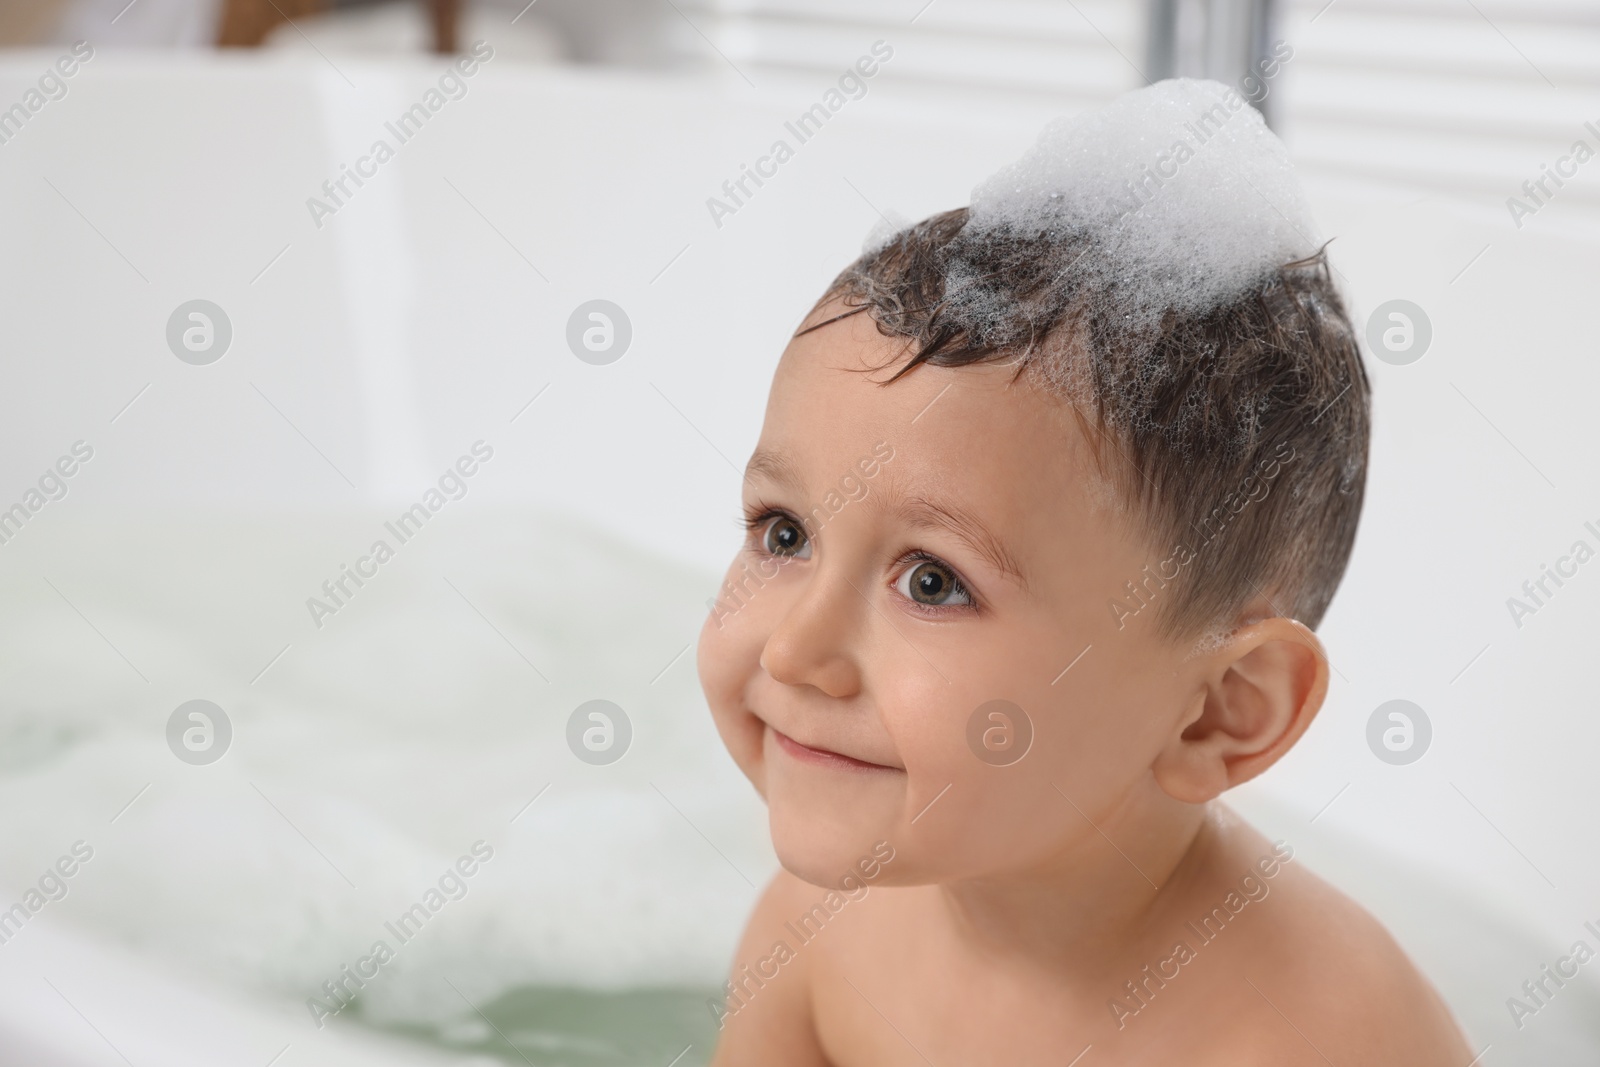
(369, 758)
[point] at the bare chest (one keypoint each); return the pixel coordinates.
(888, 1002)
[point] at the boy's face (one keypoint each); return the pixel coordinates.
(878, 635)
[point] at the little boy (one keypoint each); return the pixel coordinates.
(1050, 494)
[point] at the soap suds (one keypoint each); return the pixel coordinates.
(1172, 200)
(883, 231)
(1181, 192)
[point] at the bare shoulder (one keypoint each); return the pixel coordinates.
(1329, 982)
(766, 1015)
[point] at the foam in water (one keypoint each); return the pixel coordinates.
(393, 738)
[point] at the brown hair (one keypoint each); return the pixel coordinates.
(1264, 392)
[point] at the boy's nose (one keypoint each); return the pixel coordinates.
(817, 641)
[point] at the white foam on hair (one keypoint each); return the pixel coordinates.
(1183, 191)
(883, 231)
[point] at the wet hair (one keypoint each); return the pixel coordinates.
(1235, 433)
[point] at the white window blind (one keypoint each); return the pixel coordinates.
(1466, 97)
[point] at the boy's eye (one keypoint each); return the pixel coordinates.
(933, 584)
(785, 537)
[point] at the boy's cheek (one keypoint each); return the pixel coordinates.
(744, 736)
(724, 679)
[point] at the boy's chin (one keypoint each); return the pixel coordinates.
(824, 854)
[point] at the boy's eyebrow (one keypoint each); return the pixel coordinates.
(923, 514)
(918, 512)
(774, 466)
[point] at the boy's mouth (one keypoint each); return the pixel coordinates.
(823, 757)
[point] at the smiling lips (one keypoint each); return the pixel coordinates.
(822, 757)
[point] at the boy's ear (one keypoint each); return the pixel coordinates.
(1258, 694)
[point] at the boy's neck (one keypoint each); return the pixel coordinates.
(1086, 909)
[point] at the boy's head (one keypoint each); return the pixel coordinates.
(1109, 486)
(1192, 420)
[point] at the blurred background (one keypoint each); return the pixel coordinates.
(230, 368)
